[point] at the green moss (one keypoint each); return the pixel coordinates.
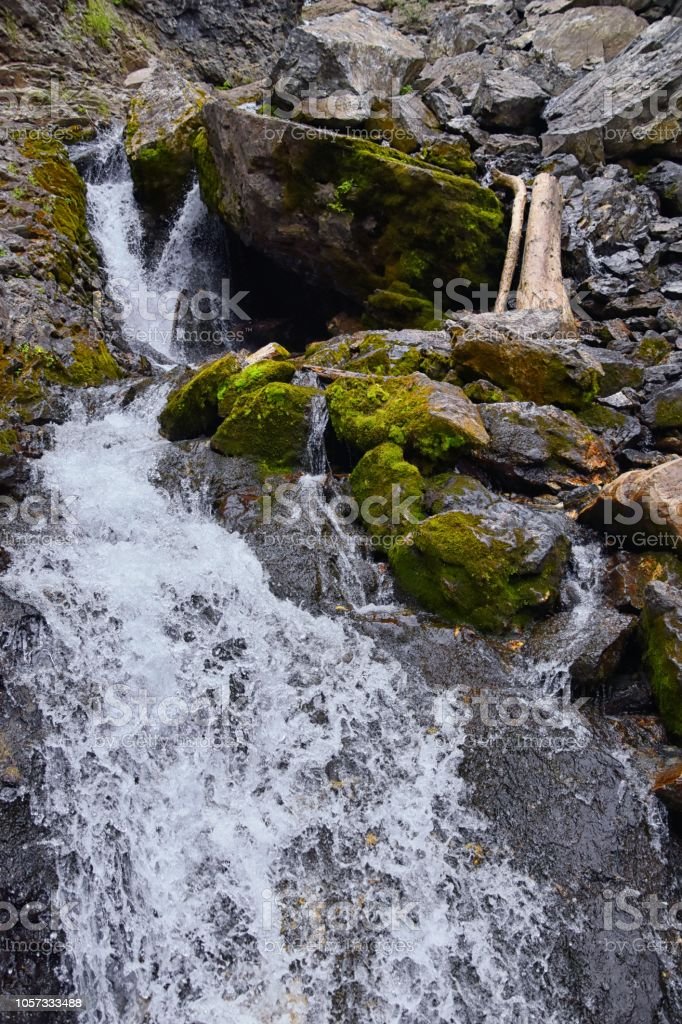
(192, 409)
(368, 411)
(377, 354)
(457, 568)
(8, 441)
(161, 168)
(100, 22)
(421, 222)
(653, 350)
(663, 660)
(249, 379)
(452, 156)
(269, 425)
(668, 413)
(62, 202)
(601, 418)
(484, 391)
(526, 371)
(384, 474)
(210, 184)
(27, 372)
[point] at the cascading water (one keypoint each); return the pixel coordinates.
(153, 295)
(240, 792)
(253, 817)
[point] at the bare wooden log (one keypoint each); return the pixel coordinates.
(541, 285)
(331, 373)
(518, 187)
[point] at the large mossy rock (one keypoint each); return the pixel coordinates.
(347, 215)
(252, 377)
(483, 560)
(389, 353)
(539, 447)
(527, 353)
(389, 492)
(643, 507)
(432, 418)
(163, 120)
(662, 631)
(268, 425)
(192, 409)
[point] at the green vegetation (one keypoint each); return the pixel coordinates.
(100, 22)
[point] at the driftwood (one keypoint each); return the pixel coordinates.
(330, 372)
(518, 187)
(541, 285)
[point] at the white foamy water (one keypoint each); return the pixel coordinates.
(253, 817)
(249, 812)
(146, 288)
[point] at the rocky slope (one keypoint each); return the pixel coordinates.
(348, 153)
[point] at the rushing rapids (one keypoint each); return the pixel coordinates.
(259, 814)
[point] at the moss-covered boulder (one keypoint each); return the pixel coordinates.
(192, 409)
(661, 626)
(28, 374)
(539, 447)
(664, 410)
(350, 216)
(389, 492)
(252, 377)
(484, 560)
(389, 353)
(163, 120)
(433, 418)
(616, 429)
(268, 425)
(527, 353)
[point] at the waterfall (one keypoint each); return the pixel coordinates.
(254, 819)
(233, 780)
(150, 292)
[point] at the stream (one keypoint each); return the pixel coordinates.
(258, 812)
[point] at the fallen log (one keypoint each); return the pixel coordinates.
(541, 285)
(518, 187)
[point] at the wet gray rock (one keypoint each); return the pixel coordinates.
(539, 448)
(337, 67)
(666, 180)
(606, 228)
(223, 36)
(664, 410)
(619, 372)
(616, 110)
(385, 352)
